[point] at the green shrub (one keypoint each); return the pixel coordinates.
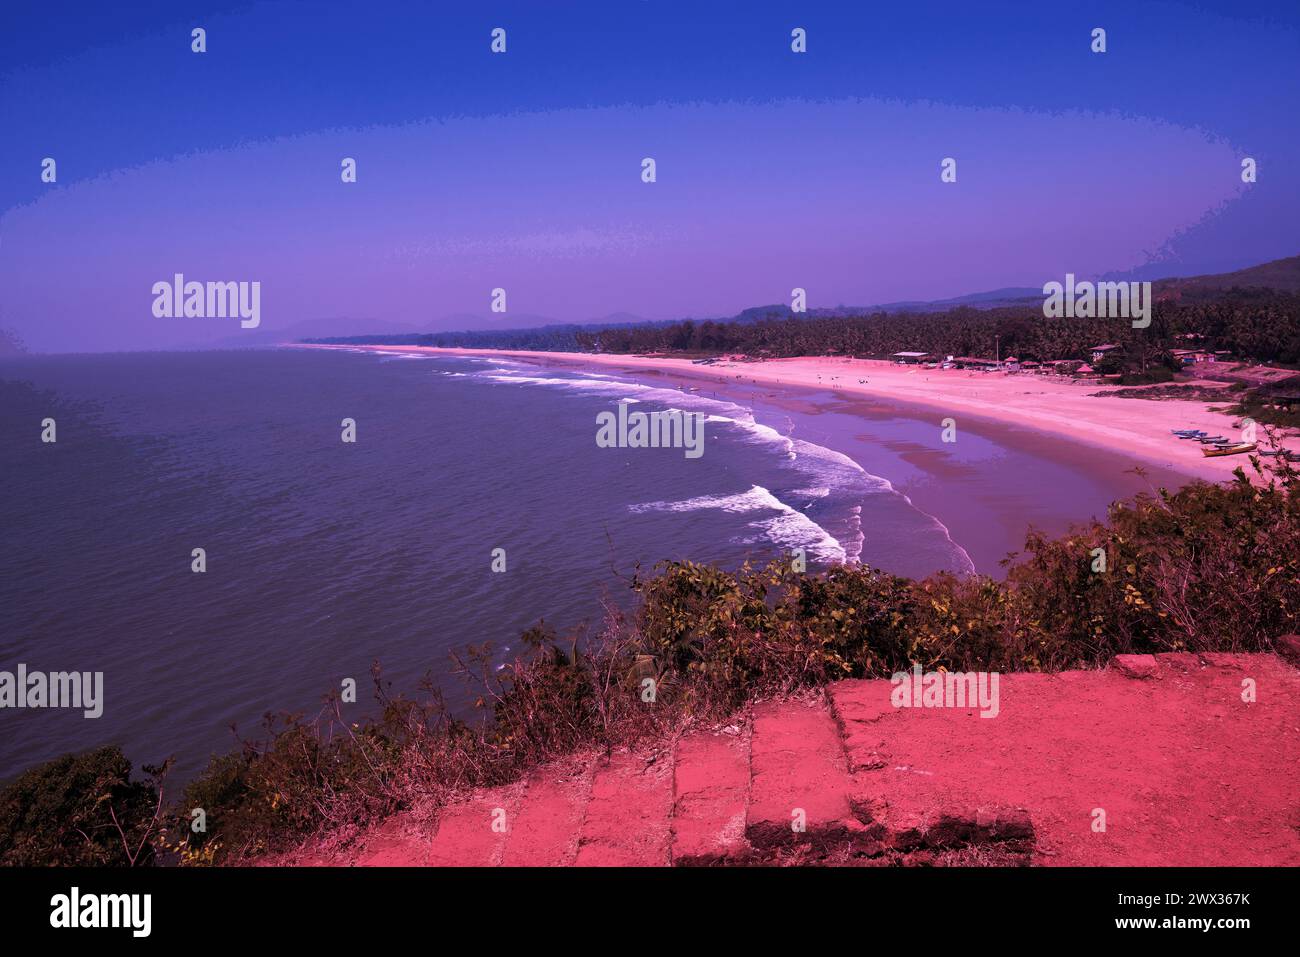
(543, 702)
(856, 618)
(79, 810)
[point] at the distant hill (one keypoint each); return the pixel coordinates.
(11, 344)
(490, 320)
(994, 299)
(526, 320)
(551, 337)
(309, 329)
(620, 319)
(1280, 275)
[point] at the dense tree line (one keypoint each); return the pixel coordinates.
(1252, 324)
(545, 339)
(556, 338)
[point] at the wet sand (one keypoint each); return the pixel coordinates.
(1073, 410)
(987, 487)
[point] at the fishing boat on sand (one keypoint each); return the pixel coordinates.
(1237, 449)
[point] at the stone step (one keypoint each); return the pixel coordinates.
(1164, 752)
(398, 842)
(711, 792)
(799, 784)
(1193, 760)
(950, 818)
(545, 831)
(473, 833)
(627, 823)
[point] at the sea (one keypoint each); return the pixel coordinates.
(473, 504)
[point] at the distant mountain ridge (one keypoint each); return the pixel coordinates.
(1281, 275)
(993, 299)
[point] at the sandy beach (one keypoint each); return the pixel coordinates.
(1053, 405)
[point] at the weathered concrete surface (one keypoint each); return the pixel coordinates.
(1185, 759)
(711, 794)
(1177, 765)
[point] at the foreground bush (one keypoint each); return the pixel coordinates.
(79, 810)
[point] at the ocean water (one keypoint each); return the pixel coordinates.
(323, 556)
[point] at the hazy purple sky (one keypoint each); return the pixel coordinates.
(813, 184)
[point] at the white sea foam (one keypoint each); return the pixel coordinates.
(829, 469)
(794, 529)
(789, 528)
(754, 500)
(396, 356)
(585, 384)
(821, 492)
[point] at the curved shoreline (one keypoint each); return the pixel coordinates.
(744, 407)
(1063, 408)
(1066, 409)
(1095, 450)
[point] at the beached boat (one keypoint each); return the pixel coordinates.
(1210, 439)
(1187, 432)
(1237, 449)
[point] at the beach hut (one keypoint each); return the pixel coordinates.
(910, 358)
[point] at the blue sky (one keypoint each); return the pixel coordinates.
(478, 170)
